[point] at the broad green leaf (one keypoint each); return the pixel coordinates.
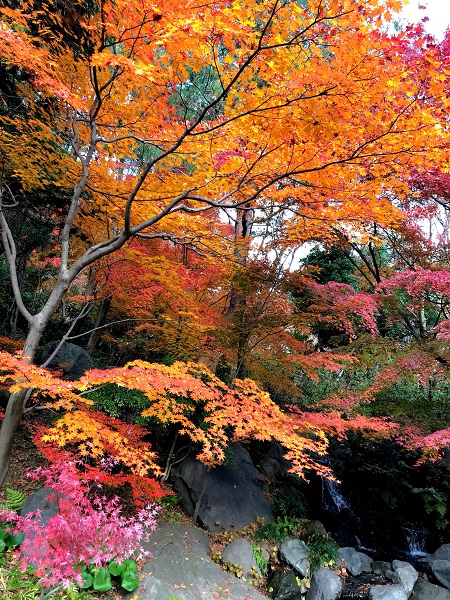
(102, 581)
(87, 580)
(116, 568)
(129, 581)
(14, 540)
(129, 565)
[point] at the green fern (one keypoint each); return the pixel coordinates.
(14, 500)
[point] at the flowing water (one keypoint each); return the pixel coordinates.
(332, 498)
(416, 538)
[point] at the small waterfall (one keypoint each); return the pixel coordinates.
(416, 538)
(332, 498)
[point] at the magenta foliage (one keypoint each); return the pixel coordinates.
(418, 282)
(87, 531)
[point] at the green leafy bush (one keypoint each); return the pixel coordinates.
(100, 577)
(289, 503)
(322, 552)
(435, 503)
(121, 403)
(276, 531)
(261, 560)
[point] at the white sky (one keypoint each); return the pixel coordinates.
(438, 11)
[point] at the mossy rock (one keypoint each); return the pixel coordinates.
(312, 530)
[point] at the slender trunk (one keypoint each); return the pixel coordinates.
(242, 350)
(15, 407)
(99, 322)
(16, 402)
(14, 315)
(237, 306)
(10, 423)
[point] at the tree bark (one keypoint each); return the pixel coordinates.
(99, 321)
(10, 423)
(238, 301)
(14, 409)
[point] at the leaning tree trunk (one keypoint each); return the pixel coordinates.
(10, 423)
(16, 403)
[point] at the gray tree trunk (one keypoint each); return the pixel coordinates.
(16, 402)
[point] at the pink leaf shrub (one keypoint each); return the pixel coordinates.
(84, 531)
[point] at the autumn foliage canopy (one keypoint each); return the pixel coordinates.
(187, 144)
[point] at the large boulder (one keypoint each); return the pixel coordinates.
(442, 553)
(313, 530)
(71, 359)
(366, 562)
(44, 502)
(441, 571)
(325, 585)
(273, 464)
(231, 497)
(405, 575)
(387, 592)
(424, 590)
(355, 562)
(180, 567)
(295, 553)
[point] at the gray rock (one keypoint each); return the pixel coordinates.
(424, 590)
(240, 552)
(273, 464)
(283, 585)
(397, 564)
(71, 359)
(151, 588)
(309, 528)
(441, 571)
(405, 575)
(379, 567)
(423, 565)
(351, 560)
(295, 553)
(387, 592)
(232, 497)
(366, 562)
(325, 585)
(181, 567)
(442, 553)
(45, 501)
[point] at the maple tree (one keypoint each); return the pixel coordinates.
(83, 533)
(402, 276)
(172, 294)
(203, 409)
(302, 112)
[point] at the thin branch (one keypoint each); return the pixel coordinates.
(11, 257)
